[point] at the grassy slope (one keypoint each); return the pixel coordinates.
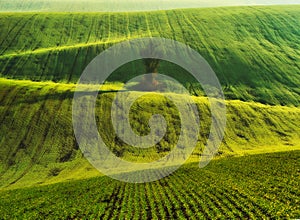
(256, 56)
(256, 59)
(250, 187)
(36, 118)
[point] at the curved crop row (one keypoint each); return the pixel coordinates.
(189, 193)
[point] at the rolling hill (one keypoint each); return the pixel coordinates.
(254, 52)
(37, 120)
(256, 57)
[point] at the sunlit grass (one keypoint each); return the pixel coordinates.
(39, 145)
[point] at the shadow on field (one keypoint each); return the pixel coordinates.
(35, 98)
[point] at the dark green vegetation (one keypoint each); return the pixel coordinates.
(253, 50)
(261, 186)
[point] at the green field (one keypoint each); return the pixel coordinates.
(256, 57)
(255, 53)
(250, 187)
(37, 118)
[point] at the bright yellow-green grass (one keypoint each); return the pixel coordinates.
(39, 145)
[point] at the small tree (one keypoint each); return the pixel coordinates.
(151, 67)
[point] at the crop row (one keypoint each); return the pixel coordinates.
(188, 193)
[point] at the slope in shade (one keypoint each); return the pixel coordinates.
(256, 57)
